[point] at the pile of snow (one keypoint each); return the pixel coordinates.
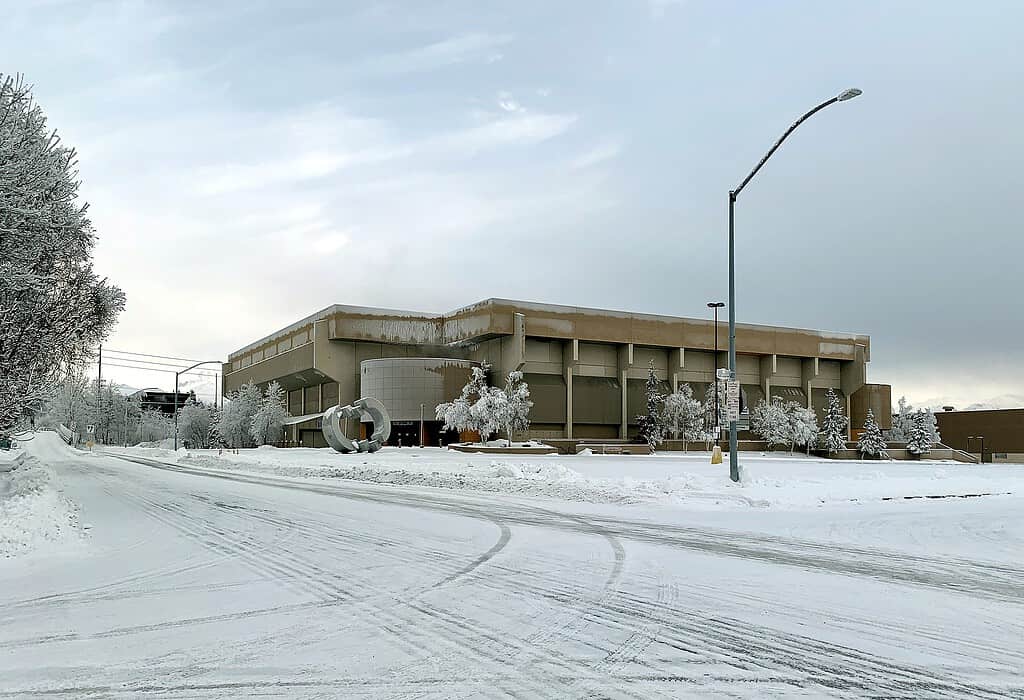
(769, 480)
(33, 512)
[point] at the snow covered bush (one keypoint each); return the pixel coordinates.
(652, 424)
(54, 309)
(833, 429)
(458, 414)
(194, 425)
(684, 416)
(234, 421)
(871, 443)
(769, 422)
(268, 421)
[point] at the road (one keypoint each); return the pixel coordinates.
(200, 584)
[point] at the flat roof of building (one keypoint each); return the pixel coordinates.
(457, 318)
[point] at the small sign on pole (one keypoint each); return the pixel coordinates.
(732, 400)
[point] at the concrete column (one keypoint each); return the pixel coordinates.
(624, 426)
(320, 398)
(625, 363)
(568, 402)
(676, 364)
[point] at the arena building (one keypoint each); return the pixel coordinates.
(586, 367)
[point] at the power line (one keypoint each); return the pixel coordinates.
(162, 357)
(149, 362)
(168, 371)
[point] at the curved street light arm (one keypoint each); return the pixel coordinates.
(735, 193)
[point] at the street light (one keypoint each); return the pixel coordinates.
(716, 305)
(734, 465)
(176, 375)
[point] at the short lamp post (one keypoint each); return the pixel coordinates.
(176, 375)
(716, 305)
(734, 467)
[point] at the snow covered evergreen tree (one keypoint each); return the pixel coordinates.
(918, 442)
(833, 428)
(54, 309)
(803, 426)
(268, 420)
(235, 420)
(684, 416)
(931, 425)
(871, 443)
(769, 422)
(194, 425)
(652, 424)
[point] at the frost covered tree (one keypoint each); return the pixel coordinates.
(458, 414)
(918, 441)
(154, 426)
(711, 421)
(902, 422)
(268, 420)
(194, 419)
(684, 416)
(54, 309)
(235, 420)
(833, 428)
(769, 422)
(803, 426)
(515, 409)
(871, 443)
(652, 424)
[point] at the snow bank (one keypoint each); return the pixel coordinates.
(33, 513)
(686, 480)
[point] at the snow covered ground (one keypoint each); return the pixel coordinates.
(771, 480)
(255, 579)
(34, 515)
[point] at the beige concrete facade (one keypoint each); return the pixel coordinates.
(586, 367)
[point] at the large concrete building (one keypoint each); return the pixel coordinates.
(586, 367)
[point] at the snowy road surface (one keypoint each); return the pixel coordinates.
(192, 583)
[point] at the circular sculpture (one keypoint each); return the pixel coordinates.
(334, 433)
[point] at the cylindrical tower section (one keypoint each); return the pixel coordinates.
(405, 384)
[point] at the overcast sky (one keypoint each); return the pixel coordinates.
(248, 163)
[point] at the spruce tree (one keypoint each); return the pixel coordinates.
(871, 443)
(652, 425)
(918, 442)
(833, 429)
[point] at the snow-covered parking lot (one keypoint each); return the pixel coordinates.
(264, 573)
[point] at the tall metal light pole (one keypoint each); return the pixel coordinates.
(176, 375)
(716, 305)
(734, 465)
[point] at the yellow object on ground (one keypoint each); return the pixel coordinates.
(716, 455)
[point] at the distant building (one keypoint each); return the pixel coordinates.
(586, 367)
(163, 401)
(1000, 431)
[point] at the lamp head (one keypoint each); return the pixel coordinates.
(848, 94)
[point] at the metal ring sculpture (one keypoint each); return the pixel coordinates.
(335, 433)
